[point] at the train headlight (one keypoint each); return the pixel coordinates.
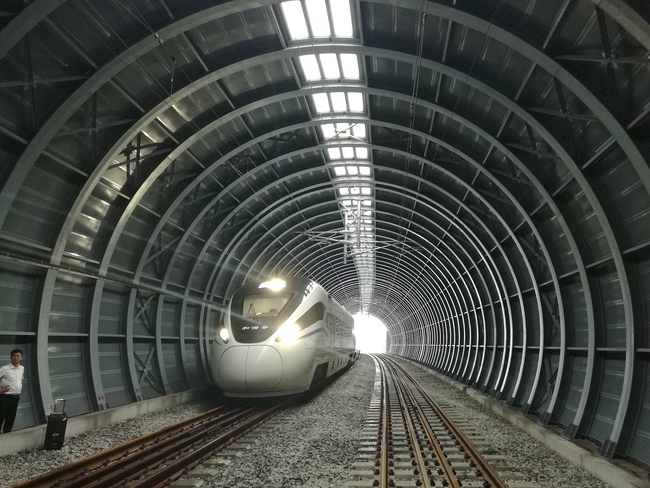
(274, 285)
(288, 333)
(223, 333)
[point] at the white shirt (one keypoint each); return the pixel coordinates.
(13, 377)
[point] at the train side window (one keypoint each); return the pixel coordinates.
(311, 316)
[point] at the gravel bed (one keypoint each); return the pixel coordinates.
(314, 448)
(27, 464)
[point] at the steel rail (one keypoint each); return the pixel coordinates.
(478, 462)
(106, 456)
(148, 453)
(444, 466)
(185, 462)
(408, 403)
(383, 462)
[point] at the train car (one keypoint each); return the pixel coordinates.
(280, 337)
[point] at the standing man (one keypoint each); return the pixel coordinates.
(11, 384)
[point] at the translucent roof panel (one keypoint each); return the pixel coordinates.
(344, 130)
(318, 18)
(331, 65)
(296, 21)
(310, 67)
(341, 17)
(311, 18)
(339, 102)
(350, 63)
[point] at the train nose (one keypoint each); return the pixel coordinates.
(250, 368)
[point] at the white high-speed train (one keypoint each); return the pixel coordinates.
(281, 337)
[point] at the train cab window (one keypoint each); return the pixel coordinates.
(311, 316)
(255, 314)
(260, 307)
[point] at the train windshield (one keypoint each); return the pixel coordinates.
(255, 314)
(262, 307)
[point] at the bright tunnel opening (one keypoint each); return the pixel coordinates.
(370, 333)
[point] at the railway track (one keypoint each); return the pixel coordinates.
(410, 440)
(159, 458)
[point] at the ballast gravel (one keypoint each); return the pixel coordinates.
(313, 444)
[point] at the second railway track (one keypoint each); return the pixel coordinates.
(410, 440)
(159, 458)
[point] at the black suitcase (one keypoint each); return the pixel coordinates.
(55, 431)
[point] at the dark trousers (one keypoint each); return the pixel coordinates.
(8, 408)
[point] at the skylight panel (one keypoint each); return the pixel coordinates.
(330, 64)
(296, 22)
(348, 152)
(359, 130)
(328, 131)
(321, 102)
(351, 191)
(334, 152)
(350, 63)
(318, 18)
(343, 130)
(364, 170)
(342, 17)
(362, 152)
(339, 170)
(310, 67)
(353, 170)
(339, 103)
(356, 101)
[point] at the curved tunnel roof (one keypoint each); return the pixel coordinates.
(474, 174)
